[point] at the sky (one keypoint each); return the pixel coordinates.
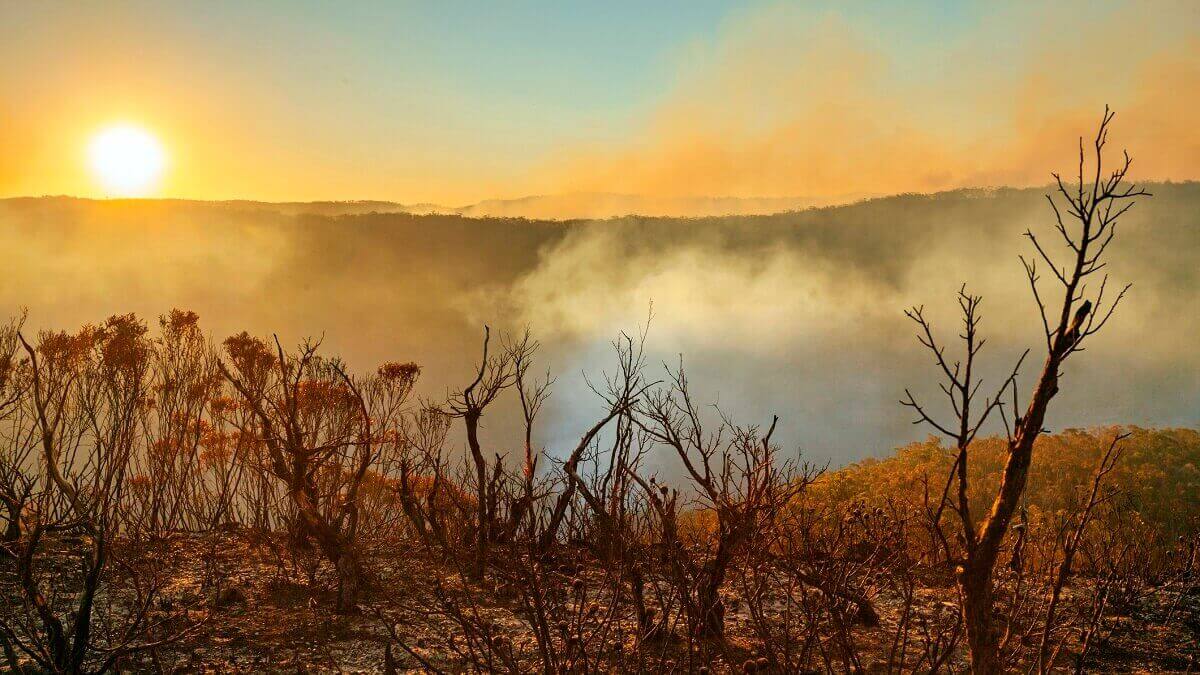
(457, 102)
(454, 103)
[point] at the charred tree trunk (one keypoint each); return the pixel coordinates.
(983, 639)
(340, 552)
(712, 608)
(13, 530)
(975, 575)
(482, 520)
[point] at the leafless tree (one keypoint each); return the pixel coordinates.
(496, 373)
(736, 474)
(87, 397)
(533, 394)
(623, 390)
(315, 424)
(1086, 221)
(17, 478)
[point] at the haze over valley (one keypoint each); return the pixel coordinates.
(797, 314)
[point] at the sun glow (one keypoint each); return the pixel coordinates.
(127, 160)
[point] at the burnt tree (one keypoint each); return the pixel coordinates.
(1086, 216)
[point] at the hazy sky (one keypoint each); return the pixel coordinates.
(455, 102)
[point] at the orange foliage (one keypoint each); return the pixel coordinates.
(249, 354)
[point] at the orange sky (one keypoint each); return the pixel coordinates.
(761, 101)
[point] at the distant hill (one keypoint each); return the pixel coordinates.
(606, 205)
(571, 206)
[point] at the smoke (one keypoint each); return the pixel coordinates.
(792, 101)
(801, 314)
(795, 314)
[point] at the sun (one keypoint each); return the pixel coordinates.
(127, 160)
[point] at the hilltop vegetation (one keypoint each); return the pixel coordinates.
(1155, 483)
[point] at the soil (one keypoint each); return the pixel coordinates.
(256, 609)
